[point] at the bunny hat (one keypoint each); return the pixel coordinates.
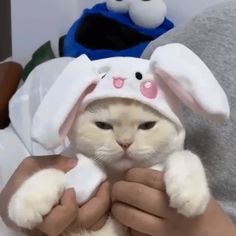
(173, 76)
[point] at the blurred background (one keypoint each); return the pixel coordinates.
(27, 24)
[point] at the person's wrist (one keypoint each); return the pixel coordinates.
(214, 222)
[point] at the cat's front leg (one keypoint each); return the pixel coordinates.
(85, 178)
(186, 183)
(36, 197)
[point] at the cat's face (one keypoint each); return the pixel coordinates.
(122, 133)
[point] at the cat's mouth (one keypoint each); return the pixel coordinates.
(123, 164)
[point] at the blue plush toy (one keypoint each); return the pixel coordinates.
(117, 28)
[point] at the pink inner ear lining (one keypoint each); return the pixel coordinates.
(89, 89)
(65, 127)
(149, 89)
(184, 96)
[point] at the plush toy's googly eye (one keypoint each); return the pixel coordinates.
(148, 13)
(121, 6)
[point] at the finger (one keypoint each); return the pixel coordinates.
(136, 233)
(76, 226)
(61, 216)
(149, 177)
(98, 225)
(27, 168)
(56, 161)
(104, 190)
(34, 232)
(92, 211)
(142, 197)
(138, 220)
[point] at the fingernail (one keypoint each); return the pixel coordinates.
(72, 193)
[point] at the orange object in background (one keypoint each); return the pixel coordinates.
(10, 75)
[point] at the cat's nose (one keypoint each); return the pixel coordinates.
(124, 145)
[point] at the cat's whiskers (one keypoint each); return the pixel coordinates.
(123, 120)
(143, 152)
(107, 154)
(99, 160)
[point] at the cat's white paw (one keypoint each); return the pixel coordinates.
(186, 184)
(36, 197)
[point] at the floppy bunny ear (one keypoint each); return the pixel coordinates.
(58, 108)
(191, 81)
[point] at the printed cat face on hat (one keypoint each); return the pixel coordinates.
(132, 78)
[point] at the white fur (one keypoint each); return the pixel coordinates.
(147, 148)
(161, 146)
(186, 183)
(85, 170)
(36, 197)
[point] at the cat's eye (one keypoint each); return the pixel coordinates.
(103, 125)
(147, 125)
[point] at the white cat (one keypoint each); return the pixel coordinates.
(104, 116)
(120, 134)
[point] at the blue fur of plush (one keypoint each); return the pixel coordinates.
(74, 48)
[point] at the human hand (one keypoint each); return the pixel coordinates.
(63, 214)
(93, 214)
(140, 203)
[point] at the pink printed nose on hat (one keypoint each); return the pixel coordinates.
(118, 82)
